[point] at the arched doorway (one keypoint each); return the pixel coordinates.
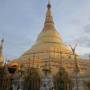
(62, 81)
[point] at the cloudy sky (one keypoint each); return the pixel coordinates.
(22, 20)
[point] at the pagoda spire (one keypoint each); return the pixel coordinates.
(49, 4)
(1, 52)
(49, 23)
(1, 46)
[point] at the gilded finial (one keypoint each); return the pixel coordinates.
(49, 4)
(1, 45)
(2, 41)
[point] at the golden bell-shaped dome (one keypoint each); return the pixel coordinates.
(49, 38)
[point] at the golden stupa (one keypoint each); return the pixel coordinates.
(49, 39)
(50, 50)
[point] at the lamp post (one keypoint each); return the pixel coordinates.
(76, 66)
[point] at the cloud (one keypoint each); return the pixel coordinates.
(87, 29)
(85, 38)
(84, 41)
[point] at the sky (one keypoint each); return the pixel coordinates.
(22, 20)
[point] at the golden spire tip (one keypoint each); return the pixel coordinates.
(2, 41)
(49, 4)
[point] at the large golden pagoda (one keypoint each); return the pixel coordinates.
(50, 50)
(49, 39)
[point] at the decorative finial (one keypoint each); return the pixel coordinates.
(2, 41)
(49, 4)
